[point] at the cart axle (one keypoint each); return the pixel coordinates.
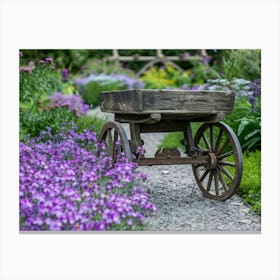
(170, 161)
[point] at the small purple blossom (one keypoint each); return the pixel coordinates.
(196, 87)
(207, 59)
(20, 54)
(255, 88)
(185, 87)
(49, 59)
(252, 100)
(186, 55)
(25, 69)
(65, 75)
(41, 61)
(140, 151)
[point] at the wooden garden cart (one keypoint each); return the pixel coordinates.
(214, 152)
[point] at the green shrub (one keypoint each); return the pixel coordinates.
(90, 122)
(250, 187)
(91, 91)
(245, 64)
(246, 125)
(31, 123)
(158, 78)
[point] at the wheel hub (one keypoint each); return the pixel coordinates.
(212, 161)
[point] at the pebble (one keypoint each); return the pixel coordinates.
(245, 222)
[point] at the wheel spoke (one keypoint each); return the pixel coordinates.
(116, 136)
(204, 175)
(216, 183)
(210, 181)
(110, 141)
(114, 146)
(224, 146)
(212, 138)
(226, 172)
(229, 163)
(218, 140)
(203, 150)
(222, 180)
(225, 154)
(115, 140)
(206, 142)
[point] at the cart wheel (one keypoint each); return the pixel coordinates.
(220, 178)
(115, 140)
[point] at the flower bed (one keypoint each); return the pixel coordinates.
(65, 186)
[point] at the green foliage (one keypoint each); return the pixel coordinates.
(38, 85)
(250, 187)
(91, 91)
(90, 122)
(249, 131)
(246, 125)
(31, 123)
(105, 67)
(172, 140)
(35, 114)
(245, 64)
(160, 78)
(169, 77)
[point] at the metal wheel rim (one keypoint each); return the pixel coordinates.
(218, 189)
(118, 134)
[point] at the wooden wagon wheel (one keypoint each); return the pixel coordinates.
(115, 139)
(220, 178)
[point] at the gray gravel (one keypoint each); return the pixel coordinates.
(181, 207)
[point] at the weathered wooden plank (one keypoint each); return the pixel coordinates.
(167, 102)
(189, 101)
(127, 101)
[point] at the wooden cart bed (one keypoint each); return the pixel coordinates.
(191, 104)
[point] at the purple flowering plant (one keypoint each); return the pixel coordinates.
(40, 103)
(64, 75)
(73, 102)
(64, 185)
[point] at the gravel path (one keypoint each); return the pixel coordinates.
(181, 205)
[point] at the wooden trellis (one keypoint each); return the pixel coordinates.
(158, 58)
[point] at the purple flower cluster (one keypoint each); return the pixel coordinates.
(65, 75)
(129, 82)
(47, 60)
(186, 87)
(65, 186)
(255, 89)
(123, 79)
(20, 54)
(25, 69)
(73, 102)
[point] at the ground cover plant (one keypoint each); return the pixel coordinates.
(64, 185)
